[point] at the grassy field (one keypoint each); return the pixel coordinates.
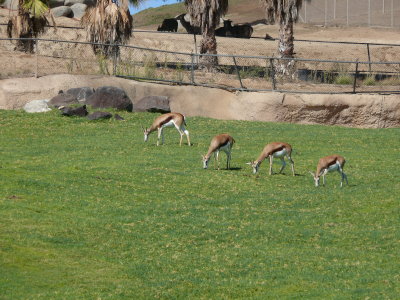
(89, 211)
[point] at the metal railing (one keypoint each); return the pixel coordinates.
(234, 72)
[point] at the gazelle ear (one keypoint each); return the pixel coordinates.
(249, 163)
(313, 175)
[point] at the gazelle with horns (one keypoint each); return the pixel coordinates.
(274, 150)
(222, 142)
(167, 120)
(328, 164)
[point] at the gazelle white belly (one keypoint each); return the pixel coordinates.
(280, 153)
(334, 167)
(226, 148)
(168, 124)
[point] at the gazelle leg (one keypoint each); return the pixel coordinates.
(292, 163)
(186, 132)
(283, 165)
(215, 160)
(159, 132)
(271, 159)
(217, 153)
(323, 176)
(343, 176)
(180, 132)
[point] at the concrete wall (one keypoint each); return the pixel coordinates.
(360, 110)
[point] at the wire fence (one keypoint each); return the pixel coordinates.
(256, 46)
(234, 72)
(373, 13)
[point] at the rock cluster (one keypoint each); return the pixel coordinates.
(73, 103)
(60, 8)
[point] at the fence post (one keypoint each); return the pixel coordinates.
(36, 55)
(237, 72)
(347, 12)
(369, 59)
(326, 12)
(391, 18)
(271, 61)
(305, 12)
(192, 70)
(195, 47)
(355, 78)
(115, 60)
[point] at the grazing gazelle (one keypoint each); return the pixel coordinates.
(328, 164)
(222, 142)
(167, 120)
(271, 150)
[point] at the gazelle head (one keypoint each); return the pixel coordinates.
(255, 165)
(146, 133)
(205, 160)
(316, 178)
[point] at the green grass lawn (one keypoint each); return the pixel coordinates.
(90, 211)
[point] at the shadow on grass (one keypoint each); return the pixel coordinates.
(231, 169)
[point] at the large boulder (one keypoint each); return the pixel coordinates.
(80, 111)
(63, 100)
(78, 10)
(62, 11)
(36, 106)
(10, 4)
(99, 115)
(110, 97)
(81, 94)
(158, 104)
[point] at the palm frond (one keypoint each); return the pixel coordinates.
(36, 8)
(108, 23)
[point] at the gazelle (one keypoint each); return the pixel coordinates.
(167, 120)
(328, 164)
(222, 142)
(271, 150)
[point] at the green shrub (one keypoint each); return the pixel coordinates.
(344, 79)
(370, 80)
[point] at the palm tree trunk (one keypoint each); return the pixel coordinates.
(286, 48)
(286, 45)
(208, 46)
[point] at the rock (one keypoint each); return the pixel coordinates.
(73, 2)
(78, 10)
(56, 3)
(153, 104)
(36, 106)
(63, 100)
(118, 117)
(62, 11)
(110, 97)
(74, 111)
(81, 94)
(10, 4)
(99, 115)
